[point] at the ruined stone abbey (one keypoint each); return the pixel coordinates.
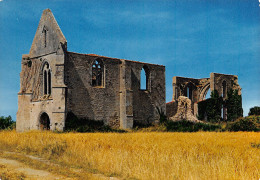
(55, 82)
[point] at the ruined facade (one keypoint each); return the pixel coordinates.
(197, 89)
(54, 82)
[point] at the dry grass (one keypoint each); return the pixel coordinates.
(6, 174)
(202, 155)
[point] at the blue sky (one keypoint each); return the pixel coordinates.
(192, 38)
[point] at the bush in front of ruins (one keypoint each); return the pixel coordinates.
(7, 123)
(189, 126)
(75, 124)
(250, 123)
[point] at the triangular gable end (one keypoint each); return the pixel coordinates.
(48, 37)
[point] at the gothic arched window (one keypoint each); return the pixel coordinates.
(189, 91)
(97, 73)
(144, 78)
(44, 31)
(46, 79)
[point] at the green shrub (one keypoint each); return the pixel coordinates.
(210, 109)
(75, 124)
(162, 116)
(254, 111)
(7, 123)
(188, 126)
(234, 105)
(251, 123)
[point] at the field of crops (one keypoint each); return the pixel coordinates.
(201, 155)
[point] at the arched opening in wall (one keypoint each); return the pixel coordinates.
(207, 94)
(144, 78)
(97, 73)
(224, 89)
(49, 82)
(44, 31)
(189, 91)
(45, 82)
(44, 121)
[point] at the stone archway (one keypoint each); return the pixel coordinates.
(44, 121)
(204, 91)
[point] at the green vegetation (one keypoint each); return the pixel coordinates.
(254, 111)
(75, 124)
(250, 123)
(234, 105)
(6, 123)
(210, 109)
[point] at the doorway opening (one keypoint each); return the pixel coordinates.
(44, 121)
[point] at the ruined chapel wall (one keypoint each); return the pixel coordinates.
(231, 82)
(86, 101)
(180, 85)
(146, 101)
(32, 102)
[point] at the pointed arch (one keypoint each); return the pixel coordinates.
(46, 78)
(204, 91)
(188, 92)
(98, 73)
(144, 78)
(44, 121)
(49, 81)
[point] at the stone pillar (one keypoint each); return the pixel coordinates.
(175, 93)
(23, 113)
(126, 100)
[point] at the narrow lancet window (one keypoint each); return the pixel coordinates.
(46, 71)
(97, 73)
(144, 78)
(45, 82)
(49, 82)
(44, 31)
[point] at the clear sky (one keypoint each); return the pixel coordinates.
(192, 38)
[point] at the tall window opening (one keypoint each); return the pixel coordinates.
(45, 85)
(97, 73)
(208, 94)
(144, 78)
(44, 31)
(189, 91)
(49, 82)
(46, 79)
(224, 89)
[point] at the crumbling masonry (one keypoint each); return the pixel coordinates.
(54, 82)
(196, 90)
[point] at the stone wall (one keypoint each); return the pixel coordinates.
(117, 99)
(85, 100)
(145, 101)
(120, 101)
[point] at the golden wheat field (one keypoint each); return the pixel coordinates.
(201, 155)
